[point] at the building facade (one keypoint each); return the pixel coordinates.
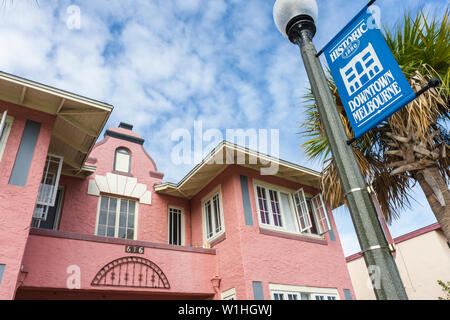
(87, 220)
(422, 258)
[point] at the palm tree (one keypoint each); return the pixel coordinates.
(412, 145)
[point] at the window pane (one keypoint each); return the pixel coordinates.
(102, 217)
(179, 228)
(122, 233)
(302, 211)
(278, 296)
(104, 203)
(131, 207)
(175, 227)
(130, 234)
(275, 205)
(287, 210)
(49, 182)
(263, 209)
(305, 296)
(209, 229)
(312, 217)
(112, 219)
(112, 204)
(108, 226)
(170, 227)
(122, 161)
(123, 206)
(110, 232)
(321, 215)
(101, 230)
(130, 221)
(123, 220)
(217, 220)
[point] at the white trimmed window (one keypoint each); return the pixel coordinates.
(5, 128)
(48, 188)
(321, 214)
(286, 296)
(229, 294)
(176, 226)
(288, 292)
(212, 216)
(284, 210)
(122, 160)
(318, 296)
(269, 207)
(53, 214)
(117, 218)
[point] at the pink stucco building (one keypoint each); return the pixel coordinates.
(87, 220)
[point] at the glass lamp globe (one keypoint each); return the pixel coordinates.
(285, 10)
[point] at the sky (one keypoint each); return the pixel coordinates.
(167, 64)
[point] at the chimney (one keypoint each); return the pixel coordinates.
(126, 126)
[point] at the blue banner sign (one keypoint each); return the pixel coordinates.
(370, 83)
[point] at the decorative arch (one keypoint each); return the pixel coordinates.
(133, 272)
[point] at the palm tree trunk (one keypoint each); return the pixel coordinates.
(438, 195)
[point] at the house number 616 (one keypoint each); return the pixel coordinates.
(134, 249)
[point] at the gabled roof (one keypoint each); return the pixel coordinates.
(227, 153)
(79, 120)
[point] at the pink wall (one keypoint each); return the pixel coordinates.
(229, 253)
(17, 203)
(47, 259)
(288, 261)
(79, 211)
(246, 255)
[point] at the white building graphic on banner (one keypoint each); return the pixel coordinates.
(361, 69)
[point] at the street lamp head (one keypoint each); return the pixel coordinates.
(288, 13)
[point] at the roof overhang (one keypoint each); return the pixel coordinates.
(79, 120)
(226, 154)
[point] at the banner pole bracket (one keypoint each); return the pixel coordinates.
(433, 83)
(350, 142)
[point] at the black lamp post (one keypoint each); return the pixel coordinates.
(296, 20)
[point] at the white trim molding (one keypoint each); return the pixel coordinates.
(229, 294)
(313, 291)
(121, 186)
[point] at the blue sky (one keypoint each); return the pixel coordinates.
(164, 64)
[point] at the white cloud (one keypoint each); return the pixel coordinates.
(164, 64)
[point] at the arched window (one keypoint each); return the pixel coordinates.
(122, 160)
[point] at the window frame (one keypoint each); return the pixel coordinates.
(9, 120)
(217, 191)
(278, 191)
(293, 210)
(325, 214)
(285, 294)
(56, 182)
(301, 291)
(326, 296)
(182, 225)
(36, 223)
(115, 159)
(116, 226)
(303, 203)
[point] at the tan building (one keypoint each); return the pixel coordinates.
(422, 257)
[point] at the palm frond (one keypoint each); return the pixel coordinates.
(421, 46)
